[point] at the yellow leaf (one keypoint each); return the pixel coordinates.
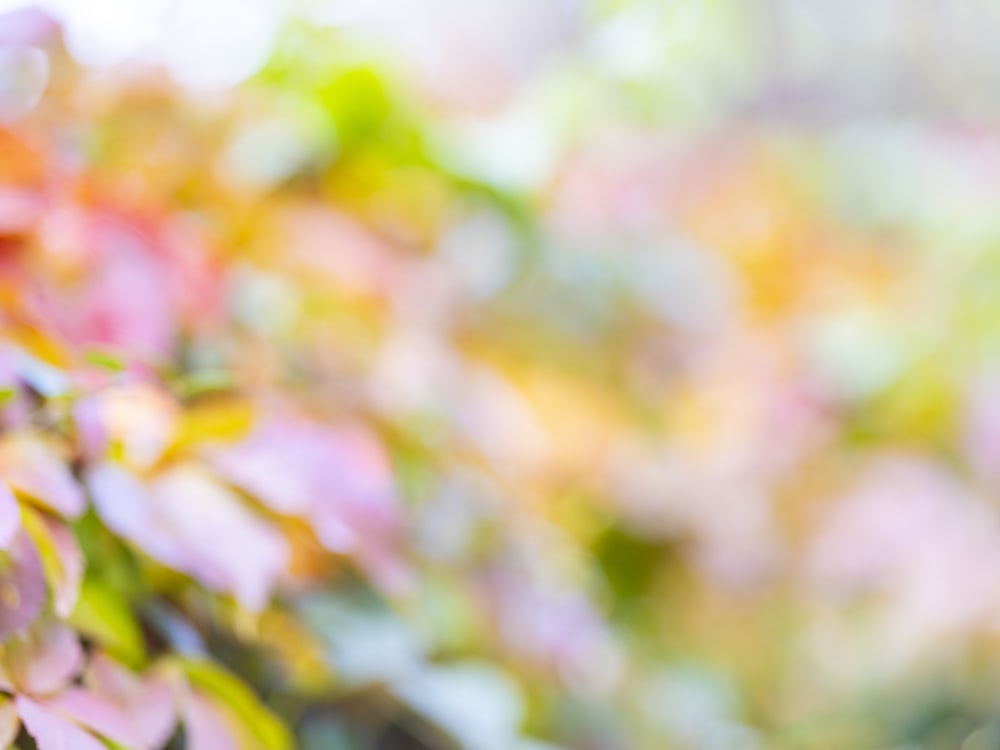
(266, 728)
(218, 419)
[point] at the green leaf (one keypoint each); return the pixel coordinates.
(103, 614)
(268, 729)
(358, 103)
(6, 395)
(205, 381)
(109, 360)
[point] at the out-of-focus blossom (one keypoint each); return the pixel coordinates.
(912, 534)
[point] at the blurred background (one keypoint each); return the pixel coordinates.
(662, 338)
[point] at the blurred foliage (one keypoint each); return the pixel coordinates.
(500, 375)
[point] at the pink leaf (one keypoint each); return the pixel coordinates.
(246, 560)
(97, 713)
(10, 516)
(51, 731)
(91, 433)
(20, 209)
(206, 726)
(154, 712)
(148, 701)
(178, 521)
(33, 468)
(22, 587)
(46, 660)
(276, 464)
(126, 302)
(109, 678)
(126, 506)
(337, 479)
